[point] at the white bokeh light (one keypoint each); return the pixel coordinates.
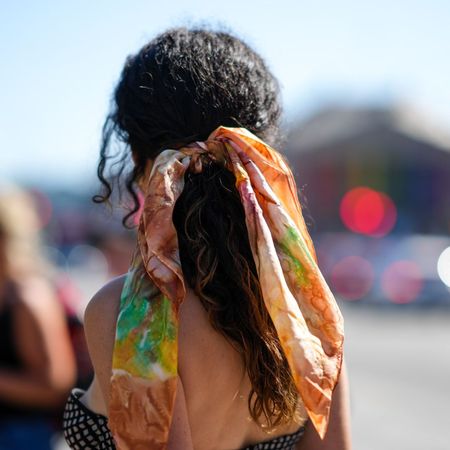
(443, 266)
(88, 268)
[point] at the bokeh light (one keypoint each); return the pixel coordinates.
(367, 211)
(55, 256)
(443, 266)
(87, 259)
(402, 281)
(87, 266)
(352, 277)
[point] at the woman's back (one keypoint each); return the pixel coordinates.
(215, 384)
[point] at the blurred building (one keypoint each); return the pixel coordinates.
(376, 184)
(388, 150)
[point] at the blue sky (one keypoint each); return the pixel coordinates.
(60, 60)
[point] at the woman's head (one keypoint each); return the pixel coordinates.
(179, 88)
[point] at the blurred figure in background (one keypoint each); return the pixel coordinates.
(37, 366)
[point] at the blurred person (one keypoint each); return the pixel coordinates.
(71, 299)
(223, 334)
(36, 360)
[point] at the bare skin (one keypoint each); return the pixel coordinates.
(211, 411)
(43, 345)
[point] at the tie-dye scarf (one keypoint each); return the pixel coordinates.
(301, 305)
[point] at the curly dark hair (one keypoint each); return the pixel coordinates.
(177, 89)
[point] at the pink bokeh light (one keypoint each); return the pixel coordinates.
(352, 277)
(402, 281)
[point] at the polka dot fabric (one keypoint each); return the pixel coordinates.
(85, 430)
(286, 442)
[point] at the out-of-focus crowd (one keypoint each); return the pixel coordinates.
(43, 352)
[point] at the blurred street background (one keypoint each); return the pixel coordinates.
(367, 132)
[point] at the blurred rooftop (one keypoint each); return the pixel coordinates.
(336, 124)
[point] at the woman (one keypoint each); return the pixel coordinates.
(37, 367)
(203, 348)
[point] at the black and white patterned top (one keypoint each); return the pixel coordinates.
(86, 430)
(286, 442)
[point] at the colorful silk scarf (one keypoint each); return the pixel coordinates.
(302, 307)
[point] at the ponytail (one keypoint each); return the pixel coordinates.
(218, 266)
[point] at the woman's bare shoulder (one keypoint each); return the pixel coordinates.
(100, 316)
(103, 308)
(100, 320)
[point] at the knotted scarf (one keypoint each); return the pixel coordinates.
(303, 310)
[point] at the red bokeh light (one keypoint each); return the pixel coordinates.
(402, 281)
(352, 277)
(366, 211)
